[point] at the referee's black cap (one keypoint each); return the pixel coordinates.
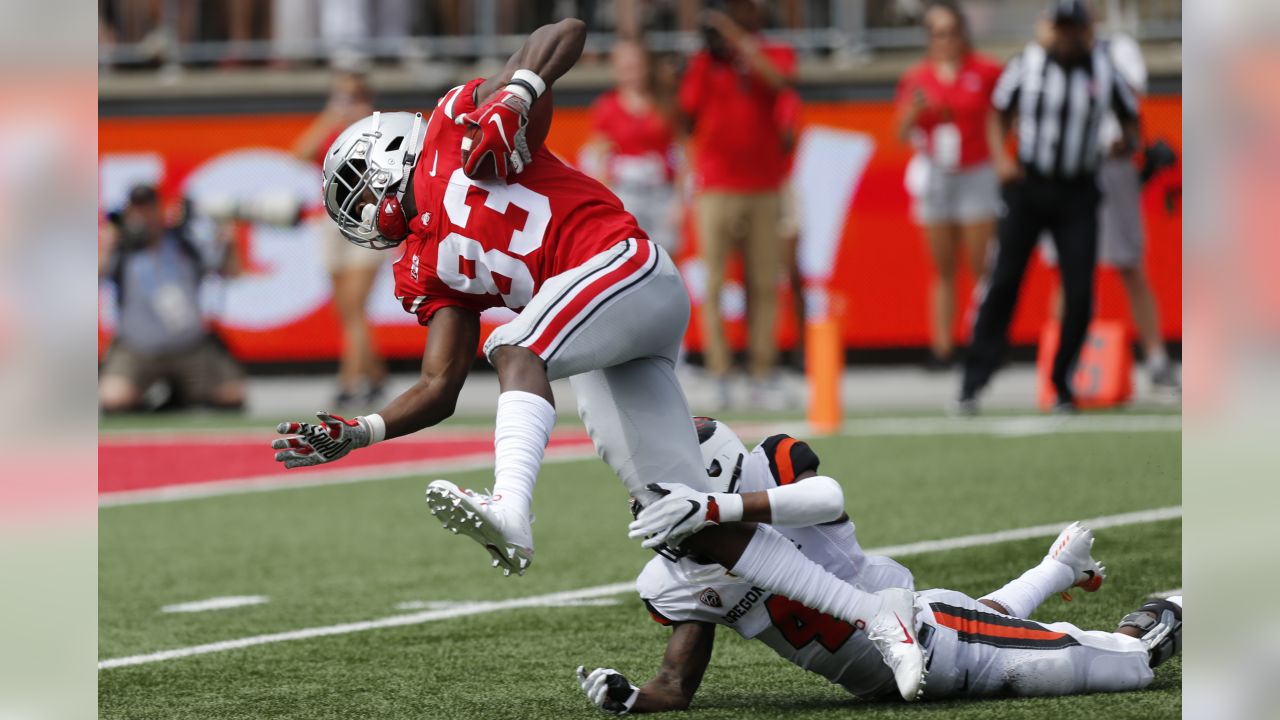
(1070, 12)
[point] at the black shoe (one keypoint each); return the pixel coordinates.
(939, 364)
(1166, 381)
(1064, 406)
(966, 406)
(374, 395)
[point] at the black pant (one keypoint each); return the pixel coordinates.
(1069, 210)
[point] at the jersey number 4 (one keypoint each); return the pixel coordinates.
(463, 264)
(800, 625)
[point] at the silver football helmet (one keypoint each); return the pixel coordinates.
(723, 453)
(723, 456)
(366, 172)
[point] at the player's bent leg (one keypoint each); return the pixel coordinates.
(500, 521)
(639, 422)
(580, 320)
(626, 303)
(976, 652)
(773, 562)
(1069, 563)
(522, 426)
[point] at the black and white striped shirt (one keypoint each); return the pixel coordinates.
(1059, 109)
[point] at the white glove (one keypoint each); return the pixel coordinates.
(681, 512)
(316, 444)
(608, 690)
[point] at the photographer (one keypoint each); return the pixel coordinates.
(160, 333)
(728, 97)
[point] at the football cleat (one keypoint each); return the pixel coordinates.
(1072, 548)
(503, 532)
(893, 632)
(1160, 622)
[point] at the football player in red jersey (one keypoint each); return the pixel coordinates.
(598, 303)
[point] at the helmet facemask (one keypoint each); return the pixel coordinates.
(364, 187)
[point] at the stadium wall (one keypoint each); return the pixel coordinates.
(860, 252)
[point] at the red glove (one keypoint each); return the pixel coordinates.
(501, 124)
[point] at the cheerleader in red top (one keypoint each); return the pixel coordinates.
(361, 371)
(943, 107)
(633, 149)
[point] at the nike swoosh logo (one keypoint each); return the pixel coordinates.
(908, 641)
(502, 130)
(434, 160)
(696, 507)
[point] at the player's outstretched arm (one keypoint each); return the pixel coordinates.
(683, 665)
(451, 347)
(811, 499)
(452, 339)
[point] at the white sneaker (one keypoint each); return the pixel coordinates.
(1073, 549)
(504, 532)
(893, 632)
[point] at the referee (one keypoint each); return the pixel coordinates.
(1058, 93)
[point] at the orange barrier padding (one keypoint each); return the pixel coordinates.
(824, 366)
(882, 265)
(1104, 372)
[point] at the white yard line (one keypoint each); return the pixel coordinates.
(602, 591)
(886, 427)
(1167, 594)
(967, 541)
(451, 604)
(217, 603)
(1009, 426)
(386, 622)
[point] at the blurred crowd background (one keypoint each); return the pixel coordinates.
(788, 188)
(235, 33)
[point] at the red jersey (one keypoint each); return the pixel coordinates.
(963, 104)
(482, 244)
(737, 142)
(640, 144)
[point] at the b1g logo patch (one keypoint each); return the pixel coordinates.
(710, 598)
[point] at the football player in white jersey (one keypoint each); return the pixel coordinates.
(974, 648)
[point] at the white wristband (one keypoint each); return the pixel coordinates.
(377, 427)
(539, 85)
(730, 505)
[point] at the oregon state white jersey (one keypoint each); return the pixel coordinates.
(689, 591)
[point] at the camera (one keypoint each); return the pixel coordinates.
(712, 40)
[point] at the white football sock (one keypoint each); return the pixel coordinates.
(772, 562)
(520, 435)
(1022, 596)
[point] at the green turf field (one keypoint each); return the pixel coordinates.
(345, 553)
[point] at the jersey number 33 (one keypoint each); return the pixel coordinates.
(463, 264)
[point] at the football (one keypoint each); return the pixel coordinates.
(535, 134)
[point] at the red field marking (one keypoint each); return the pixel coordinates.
(138, 462)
